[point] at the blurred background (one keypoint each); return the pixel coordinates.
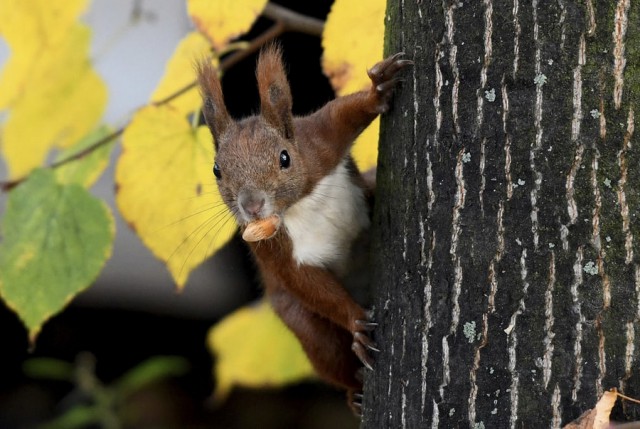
(133, 312)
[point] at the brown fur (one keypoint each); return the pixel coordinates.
(310, 299)
(315, 306)
(214, 108)
(275, 94)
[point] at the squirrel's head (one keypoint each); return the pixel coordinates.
(258, 167)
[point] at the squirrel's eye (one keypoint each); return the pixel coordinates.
(216, 171)
(285, 159)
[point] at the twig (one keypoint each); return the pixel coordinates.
(293, 20)
(273, 32)
(627, 398)
(285, 20)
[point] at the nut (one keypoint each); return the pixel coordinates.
(261, 229)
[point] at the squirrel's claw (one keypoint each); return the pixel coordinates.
(355, 402)
(365, 341)
(365, 325)
(384, 80)
(385, 87)
(388, 67)
(361, 353)
(362, 344)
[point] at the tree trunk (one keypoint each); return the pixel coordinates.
(506, 235)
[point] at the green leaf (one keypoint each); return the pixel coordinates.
(253, 348)
(86, 170)
(150, 371)
(48, 369)
(79, 416)
(56, 241)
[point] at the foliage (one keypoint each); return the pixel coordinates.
(166, 163)
(253, 348)
(89, 170)
(223, 20)
(180, 73)
(599, 416)
(56, 237)
(352, 42)
(106, 403)
(48, 80)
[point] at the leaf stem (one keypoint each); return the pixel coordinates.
(627, 397)
(285, 20)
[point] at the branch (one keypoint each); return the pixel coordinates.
(294, 21)
(284, 20)
(273, 32)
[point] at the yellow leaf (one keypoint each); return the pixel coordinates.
(224, 20)
(53, 95)
(365, 149)
(30, 27)
(180, 72)
(353, 42)
(167, 192)
(253, 348)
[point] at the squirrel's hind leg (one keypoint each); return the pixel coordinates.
(327, 345)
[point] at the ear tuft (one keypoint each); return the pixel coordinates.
(213, 108)
(275, 94)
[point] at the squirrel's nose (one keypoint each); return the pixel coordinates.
(251, 204)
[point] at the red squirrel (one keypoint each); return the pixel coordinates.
(300, 169)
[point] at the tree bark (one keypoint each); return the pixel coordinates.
(506, 233)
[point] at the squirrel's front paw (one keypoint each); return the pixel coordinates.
(362, 344)
(383, 77)
(354, 400)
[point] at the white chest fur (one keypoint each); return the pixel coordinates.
(323, 225)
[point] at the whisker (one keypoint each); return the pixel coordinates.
(197, 244)
(189, 216)
(195, 231)
(200, 195)
(215, 236)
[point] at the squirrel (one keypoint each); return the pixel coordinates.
(300, 169)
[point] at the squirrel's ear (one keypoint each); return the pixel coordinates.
(214, 110)
(275, 95)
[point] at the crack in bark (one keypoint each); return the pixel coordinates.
(512, 341)
(577, 308)
(547, 359)
(507, 139)
(453, 62)
(619, 59)
(556, 419)
(488, 52)
(516, 37)
(622, 196)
